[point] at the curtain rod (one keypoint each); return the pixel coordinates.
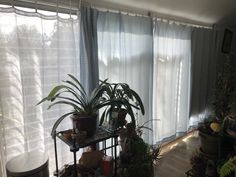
(143, 13)
(41, 5)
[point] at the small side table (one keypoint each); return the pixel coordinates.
(29, 164)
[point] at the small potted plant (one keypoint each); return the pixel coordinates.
(137, 157)
(125, 98)
(85, 107)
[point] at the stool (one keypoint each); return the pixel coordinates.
(29, 164)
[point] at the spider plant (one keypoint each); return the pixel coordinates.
(123, 98)
(72, 93)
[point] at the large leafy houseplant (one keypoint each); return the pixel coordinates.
(124, 98)
(85, 106)
(224, 95)
(212, 130)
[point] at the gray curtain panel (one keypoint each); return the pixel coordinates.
(88, 49)
(205, 47)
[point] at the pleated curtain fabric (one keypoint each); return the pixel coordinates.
(89, 48)
(171, 80)
(205, 48)
(125, 48)
(37, 51)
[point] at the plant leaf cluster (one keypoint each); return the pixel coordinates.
(123, 97)
(228, 167)
(107, 95)
(141, 155)
(225, 90)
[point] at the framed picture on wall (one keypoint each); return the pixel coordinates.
(227, 41)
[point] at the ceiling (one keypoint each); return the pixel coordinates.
(202, 12)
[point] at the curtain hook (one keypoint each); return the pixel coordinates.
(57, 7)
(80, 1)
(36, 6)
(70, 9)
(79, 8)
(12, 3)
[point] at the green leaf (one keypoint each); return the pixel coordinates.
(66, 103)
(77, 81)
(54, 91)
(80, 90)
(54, 128)
(136, 96)
(102, 117)
(70, 99)
(130, 112)
(127, 90)
(145, 127)
(44, 99)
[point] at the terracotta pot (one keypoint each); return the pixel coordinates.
(86, 123)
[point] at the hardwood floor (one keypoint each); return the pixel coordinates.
(176, 156)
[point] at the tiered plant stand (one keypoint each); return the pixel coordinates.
(101, 135)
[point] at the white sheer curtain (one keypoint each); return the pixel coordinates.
(36, 53)
(125, 48)
(171, 79)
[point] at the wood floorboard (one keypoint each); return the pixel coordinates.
(176, 157)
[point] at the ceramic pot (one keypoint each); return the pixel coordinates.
(86, 123)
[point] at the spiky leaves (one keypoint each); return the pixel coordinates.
(122, 96)
(72, 93)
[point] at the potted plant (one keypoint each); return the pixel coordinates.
(231, 117)
(125, 98)
(137, 157)
(85, 107)
(211, 132)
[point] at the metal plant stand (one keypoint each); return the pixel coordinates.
(101, 135)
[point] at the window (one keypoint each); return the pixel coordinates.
(36, 53)
(171, 80)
